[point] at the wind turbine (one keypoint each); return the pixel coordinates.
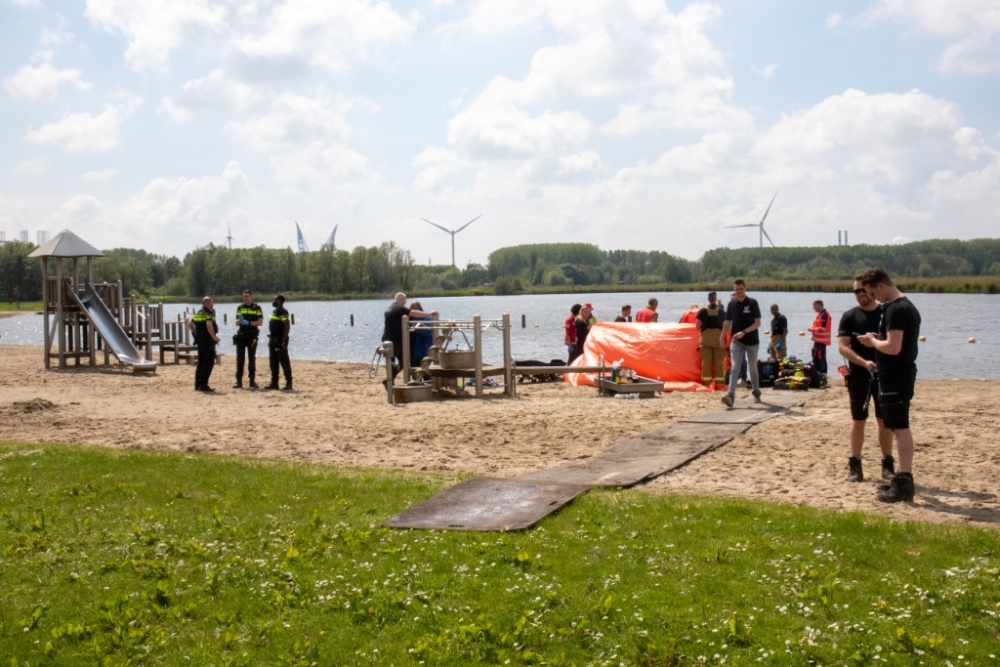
(229, 229)
(333, 236)
(453, 232)
(759, 224)
(302, 240)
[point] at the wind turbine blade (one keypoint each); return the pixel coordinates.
(436, 225)
(735, 226)
(767, 236)
(468, 223)
(768, 209)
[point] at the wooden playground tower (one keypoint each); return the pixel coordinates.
(83, 318)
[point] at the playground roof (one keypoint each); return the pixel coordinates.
(66, 244)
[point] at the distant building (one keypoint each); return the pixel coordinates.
(3, 238)
(24, 236)
(41, 237)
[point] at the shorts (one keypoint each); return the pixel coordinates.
(857, 390)
(895, 393)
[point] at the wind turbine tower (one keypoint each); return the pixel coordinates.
(333, 236)
(302, 240)
(229, 231)
(760, 224)
(453, 232)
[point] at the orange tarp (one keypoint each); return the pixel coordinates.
(665, 352)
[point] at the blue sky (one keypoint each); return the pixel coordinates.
(625, 123)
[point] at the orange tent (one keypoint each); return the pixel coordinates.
(665, 352)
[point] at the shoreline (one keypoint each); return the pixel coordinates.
(338, 416)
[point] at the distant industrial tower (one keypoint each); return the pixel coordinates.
(333, 237)
(24, 236)
(302, 240)
(842, 237)
(3, 238)
(41, 237)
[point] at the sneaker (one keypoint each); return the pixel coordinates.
(756, 397)
(900, 489)
(888, 467)
(855, 474)
(727, 400)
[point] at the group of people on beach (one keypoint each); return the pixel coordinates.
(878, 338)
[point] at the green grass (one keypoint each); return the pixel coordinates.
(24, 305)
(135, 558)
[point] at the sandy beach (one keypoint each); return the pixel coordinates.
(338, 416)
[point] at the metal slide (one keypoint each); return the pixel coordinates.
(112, 333)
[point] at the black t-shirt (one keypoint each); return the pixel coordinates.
(742, 314)
(857, 321)
(582, 329)
(708, 321)
(393, 331)
(902, 315)
(621, 318)
(779, 325)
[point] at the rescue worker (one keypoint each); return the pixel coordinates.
(713, 355)
(591, 319)
(279, 327)
(691, 315)
(822, 336)
(648, 314)
(778, 348)
(743, 319)
(205, 330)
(249, 319)
(862, 380)
(626, 315)
(569, 332)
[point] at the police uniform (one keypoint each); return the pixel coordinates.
(277, 345)
(206, 347)
(246, 341)
(710, 320)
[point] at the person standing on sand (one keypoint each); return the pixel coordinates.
(278, 329)
(203, 325)
(648, 314)
(569, 332)
(393, 333)
(821, 329)
(711, 349)
(779, 334)
(249, 319)
(896, 355)
(626, 313)
(862, 380)
(743, 318)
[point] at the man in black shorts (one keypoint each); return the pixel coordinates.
(896, 356)
(862, 380)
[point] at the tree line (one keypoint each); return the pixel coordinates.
(219, 270)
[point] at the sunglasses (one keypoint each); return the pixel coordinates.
(861, 291)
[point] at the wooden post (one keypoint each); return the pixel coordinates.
(46, 311)
(91, 332)
(387, 346)
(478, 342)
(524, 320)
(352, 319)
(406, 349)
(60, 297)
(508, 373)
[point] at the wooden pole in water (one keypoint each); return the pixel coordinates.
(524, 320)
(508, 375)
(478, 356)
(406, 349)
(352, 319)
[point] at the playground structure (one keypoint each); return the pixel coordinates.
(448, 366)
(83, 318)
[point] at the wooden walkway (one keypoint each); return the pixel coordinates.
(491, 504)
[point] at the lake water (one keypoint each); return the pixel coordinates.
(322, 329)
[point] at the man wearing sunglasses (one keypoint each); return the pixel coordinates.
(862, 380)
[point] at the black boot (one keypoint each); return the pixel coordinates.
(888, 467)
(253, 384)
(238, 385)
(288, 384)
(273, 385)
(855, 474)
(900, 489)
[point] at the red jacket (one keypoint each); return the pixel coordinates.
(645, 315)
(822, 328)
(570, 327)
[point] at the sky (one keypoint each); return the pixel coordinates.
(635, 124)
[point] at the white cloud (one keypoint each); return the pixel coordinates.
(83, 132)
(42, 80)
(103, 175)
(973, 25)
(834, 20)
(35, 166)
(339, 172)
(766, 71)
(703, 104)
(291, 118)
(214, 92)
(580, 163)
(506, 131)
(436, 164)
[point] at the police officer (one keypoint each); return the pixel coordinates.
(710, 319)
(205, 337)
(277, 343)
(249, 317)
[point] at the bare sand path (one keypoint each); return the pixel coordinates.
(338, 416)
